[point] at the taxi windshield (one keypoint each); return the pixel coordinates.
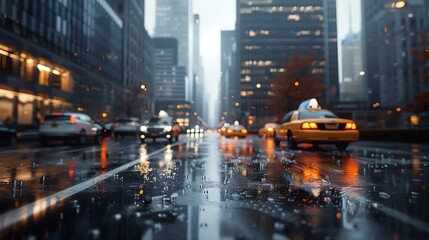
(316, 114)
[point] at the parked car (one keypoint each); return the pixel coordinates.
(236, 131)
(8, 136)
(160, 127)
(311, 124)
(128, 126)
(68, 126)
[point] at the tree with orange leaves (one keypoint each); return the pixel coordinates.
(421, 103)
(296, 84)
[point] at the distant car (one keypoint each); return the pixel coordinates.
(128, 126)
(267, 130)
(76, 127)
(236, 131)
(8, 136)
(222, 130)
(317, 126)
(158, 127)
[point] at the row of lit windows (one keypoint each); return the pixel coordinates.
(24, 66)
(253, 33)
(259, 63)
(303, 9)
(251, 93)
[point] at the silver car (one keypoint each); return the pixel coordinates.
(69, 127)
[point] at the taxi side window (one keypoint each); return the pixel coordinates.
(286, 118)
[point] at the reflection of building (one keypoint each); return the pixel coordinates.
(351, 88)
(393, 75)
(269, 33)
(58, 56)
(173, 20)
(229, 84)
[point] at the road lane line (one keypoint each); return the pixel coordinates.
(17, 215)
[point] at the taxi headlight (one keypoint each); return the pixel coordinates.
(243, 131)
(168, 129)
(230, 131)
(143, 128)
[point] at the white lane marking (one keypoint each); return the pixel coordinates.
(17, 215)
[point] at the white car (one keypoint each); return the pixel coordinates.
(76, 127)
(126, 127)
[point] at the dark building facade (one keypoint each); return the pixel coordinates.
(169, 80)
(59, 56)
(229, 83)
(393, 74)
(137, 59)
(268, 34)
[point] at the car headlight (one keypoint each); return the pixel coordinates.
(94, 129)
(143, 128)
(168, 129)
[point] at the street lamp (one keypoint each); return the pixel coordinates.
(399, 4)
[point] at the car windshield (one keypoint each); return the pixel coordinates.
(316, 114)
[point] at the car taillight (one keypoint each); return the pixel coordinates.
(132, 123)
(73, 119)
(309, 125)
(350, 126)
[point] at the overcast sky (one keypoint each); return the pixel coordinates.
(217, 15)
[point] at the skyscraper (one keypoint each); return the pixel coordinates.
(351, 87)
(393, 74)
(198, 77)
(173, 18)
(269, 32)
(229, 84)
(137, 62)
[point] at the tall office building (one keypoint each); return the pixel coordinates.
(351, 86)
(229, 84)
(169, 79)
(137, 61)
(59, 56)
(198, 77)
(269, 33)
(173, 19)
(393, 74)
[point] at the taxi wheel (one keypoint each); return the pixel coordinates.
(291, 142)
(81, 138)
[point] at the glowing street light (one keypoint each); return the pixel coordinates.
(399, 4)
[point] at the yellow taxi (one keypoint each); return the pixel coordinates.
(236, 130)
(311, 124)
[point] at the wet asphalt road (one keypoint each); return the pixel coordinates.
(214, 188)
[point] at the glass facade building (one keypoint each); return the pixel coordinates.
(269, 32)
(59, 56)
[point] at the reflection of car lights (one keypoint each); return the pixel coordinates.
(309, 125)
(168, 136)
(350, 126)
(142, 136)
(143, 128)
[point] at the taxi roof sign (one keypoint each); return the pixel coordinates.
(309, 104)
